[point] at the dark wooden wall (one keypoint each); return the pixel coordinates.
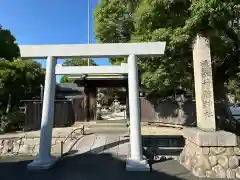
(65, 113)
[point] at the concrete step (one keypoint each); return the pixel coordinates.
(104, 127)
(107, 130)
(111, 121)
(107, 125)
(104, 124)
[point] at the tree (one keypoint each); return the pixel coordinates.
(21, 80)
(8, 46)
(176, 22)
(75, 62)
(78, 62)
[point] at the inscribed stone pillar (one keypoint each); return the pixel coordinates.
(203, 85)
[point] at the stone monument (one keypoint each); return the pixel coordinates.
(203, 85)
(180, 99)
(100, 97)
(116, 107)
(207, 152)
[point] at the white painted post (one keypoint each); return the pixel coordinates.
(44, 160)
(135, 128)
(136, 161)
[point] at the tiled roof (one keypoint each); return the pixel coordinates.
(69, 87)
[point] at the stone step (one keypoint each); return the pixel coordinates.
(104, 127)
(107, 130)
(111, 121)
(107, 125)
(102, 123)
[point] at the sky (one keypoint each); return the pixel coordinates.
(34, 22)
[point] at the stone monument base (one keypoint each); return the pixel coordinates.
(211, 154)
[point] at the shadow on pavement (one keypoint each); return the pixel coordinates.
(88, 166)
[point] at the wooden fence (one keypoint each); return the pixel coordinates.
(69, 111)
(66, 112)
(79, 111)
(167, 111)
(147, 112)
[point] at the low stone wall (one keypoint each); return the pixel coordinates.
(28, 143)
(208, 156)
(27, 146)
(212, 162)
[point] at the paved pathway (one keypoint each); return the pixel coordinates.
(97, 157)
(115, 144)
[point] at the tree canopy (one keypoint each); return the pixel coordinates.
(176, 22)
(78, 62)
(75, 62)
(8, 46)
(21, 79)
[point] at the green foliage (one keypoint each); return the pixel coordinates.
(233, 88)
(75, 62)
(19, 80)
(11, 121)
(65, 79)
(78, 62)
(177, 23)
(8, 46)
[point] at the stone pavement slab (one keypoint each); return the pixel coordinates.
(85, 144)
(98, 145)
(112, 144)
(115, 144)
(124, 146)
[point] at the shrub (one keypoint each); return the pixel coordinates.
(11, 122)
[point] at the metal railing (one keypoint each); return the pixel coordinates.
(70, 136)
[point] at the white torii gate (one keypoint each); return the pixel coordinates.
(44, 160)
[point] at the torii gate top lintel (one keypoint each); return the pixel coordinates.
(92, 50)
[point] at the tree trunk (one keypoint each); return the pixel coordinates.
(9, 103)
